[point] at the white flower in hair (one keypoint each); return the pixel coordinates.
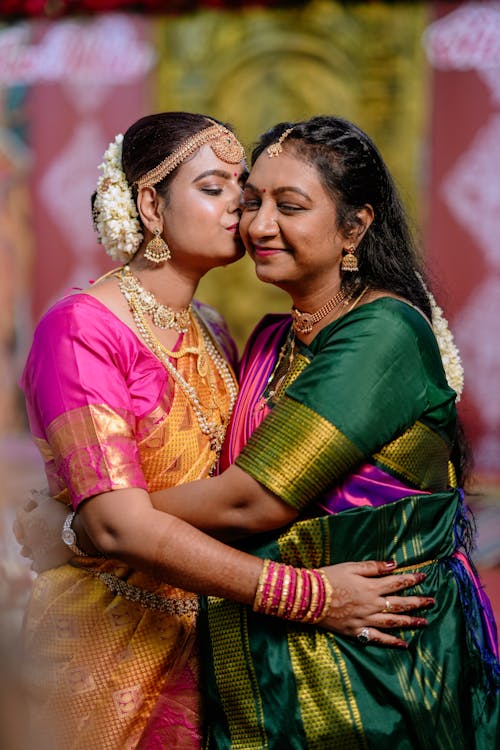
(114, 211)
(449, 352)
(448, 349)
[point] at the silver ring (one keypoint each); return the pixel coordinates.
(363, 636)
(388, 606)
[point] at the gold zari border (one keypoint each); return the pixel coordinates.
(420, 456)
(297, 454)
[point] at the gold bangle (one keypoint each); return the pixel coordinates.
(328, 597)
(284, 591)
(298, 595)
(313, 599)
(257, 603)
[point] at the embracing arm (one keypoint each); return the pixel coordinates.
(124, 525)
(229, 506)
(159, 543)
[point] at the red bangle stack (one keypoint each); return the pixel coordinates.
(297, 594)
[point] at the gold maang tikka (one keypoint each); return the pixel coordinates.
(275, 149)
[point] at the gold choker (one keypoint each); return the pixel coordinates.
(304, 322)
(163, 316)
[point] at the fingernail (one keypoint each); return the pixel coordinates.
(421, 577)
(420, 622)
(429, 602)
(389, 564)
(401, 644)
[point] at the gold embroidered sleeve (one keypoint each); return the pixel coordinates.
(297, 454)
(95, 451)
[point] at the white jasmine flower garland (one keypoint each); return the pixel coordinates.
(115, 213)
(449, 351)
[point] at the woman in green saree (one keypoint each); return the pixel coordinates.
(343, 445)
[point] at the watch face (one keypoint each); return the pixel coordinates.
(68, 537)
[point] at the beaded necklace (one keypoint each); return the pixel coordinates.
(304, 322)
(214, 429)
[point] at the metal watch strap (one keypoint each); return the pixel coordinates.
(69, 537)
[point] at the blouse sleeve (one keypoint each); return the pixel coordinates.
(368, 382)
(78, 403)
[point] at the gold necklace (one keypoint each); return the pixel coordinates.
(303, 322)
(214, 429)
(273, 388)
(163, 316)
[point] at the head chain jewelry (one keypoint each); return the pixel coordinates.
(222, 141)
(276, 148)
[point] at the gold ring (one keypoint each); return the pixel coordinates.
(388, 606)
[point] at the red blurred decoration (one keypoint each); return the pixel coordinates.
(18, 9)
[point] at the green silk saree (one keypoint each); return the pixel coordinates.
(359, 443)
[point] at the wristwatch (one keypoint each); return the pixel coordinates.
(69, 537)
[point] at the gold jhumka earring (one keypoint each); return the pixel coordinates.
(157, 251)
(349, 261)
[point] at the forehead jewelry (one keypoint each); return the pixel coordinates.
(222, 141)
(276, 148)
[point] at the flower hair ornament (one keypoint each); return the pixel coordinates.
(114, 211)
(450, 356)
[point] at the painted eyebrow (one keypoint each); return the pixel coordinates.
(213, 173)
(280, 190)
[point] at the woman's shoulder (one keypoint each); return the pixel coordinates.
(81, 315)
(209, 314)
(390, 316)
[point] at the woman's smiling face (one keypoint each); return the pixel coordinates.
(289, 224)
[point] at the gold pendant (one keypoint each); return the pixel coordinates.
(202, 365)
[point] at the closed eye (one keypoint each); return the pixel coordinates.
(250, 205)
(211, 191)
(288, 208)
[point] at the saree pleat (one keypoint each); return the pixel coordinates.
(299, 687)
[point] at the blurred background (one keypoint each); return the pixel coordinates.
(422, 78)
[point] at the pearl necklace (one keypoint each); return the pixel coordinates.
(303, 322)
(162, 316)
(214, 430)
